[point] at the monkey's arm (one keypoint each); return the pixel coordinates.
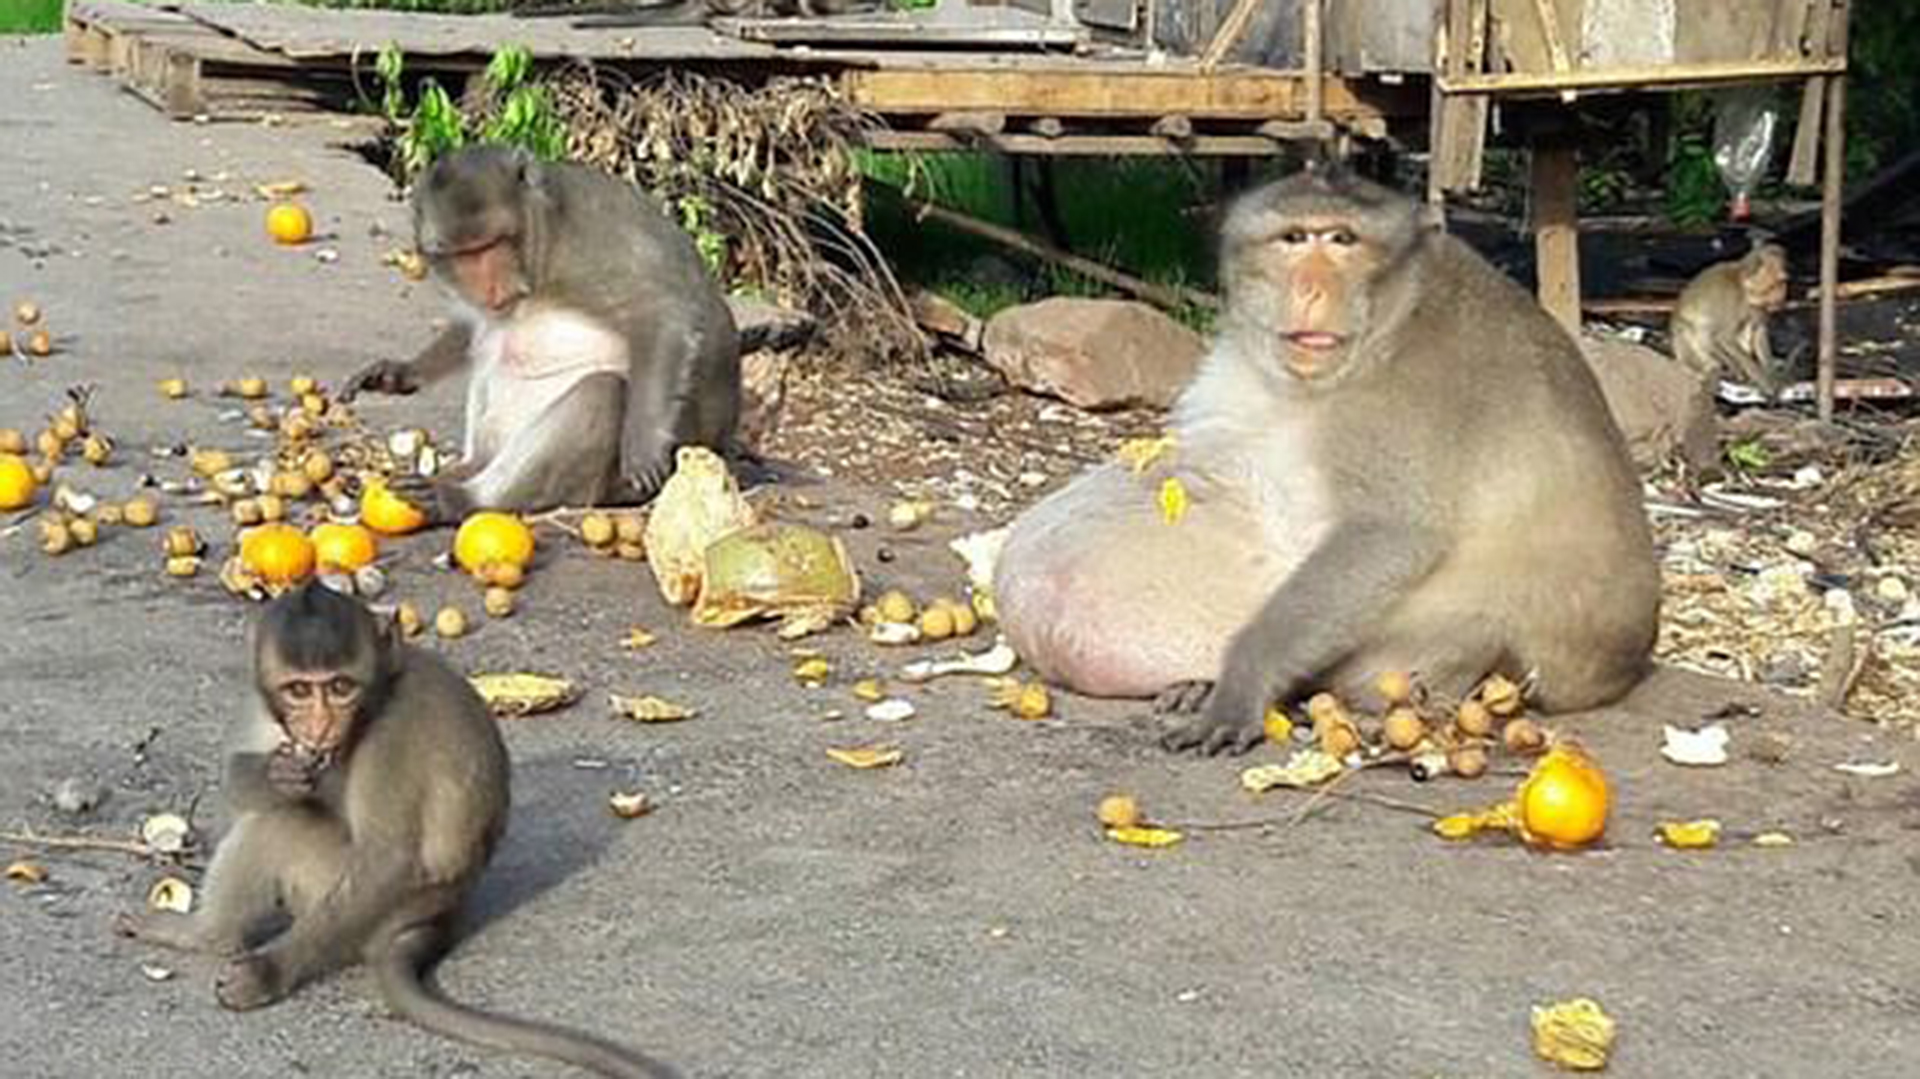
(1328, 608)
(445, 354)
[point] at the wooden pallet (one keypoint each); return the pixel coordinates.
(191, 71)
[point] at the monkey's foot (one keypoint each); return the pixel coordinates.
(421, 492)
(249, 982)
(1183, 697)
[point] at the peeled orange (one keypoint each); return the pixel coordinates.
(489, 538)
(17, 485)
(341, 546)
(277, 553)
(289, 223)
(1564, 800)
(388, 513)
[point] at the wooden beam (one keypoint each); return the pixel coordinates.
(1244, 94)
(1077, 145)
(1637, 78)
(1315, 60)
(1556, 226)
(1831, 192)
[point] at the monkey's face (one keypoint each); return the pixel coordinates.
(1765, 281)
(317, 709)
(1306, 283)
(470, 220)
(484, 272)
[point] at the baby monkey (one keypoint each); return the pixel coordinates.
(1720, 322)
(367, 786)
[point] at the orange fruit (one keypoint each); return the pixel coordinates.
(278, 553)
(1563, 802)
(490, 537)
(347, 547)
(387, 513)
(289, 223)
(17, 485)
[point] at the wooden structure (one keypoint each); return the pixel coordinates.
(1186, 77)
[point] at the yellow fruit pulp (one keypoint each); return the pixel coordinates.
(347, 547)
(388, 513)
(17, 485)
(278, 553)
(1564, 801)
(289, 223)
(490, 538)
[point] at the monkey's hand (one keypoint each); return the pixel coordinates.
(385, 376)
(1182, 697)
(249, 982)
(440, 497)
(292, 772)
(1230, 716)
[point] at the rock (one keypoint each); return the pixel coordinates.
(763, 396)
(938, 315)
(1094, 354)
(77, 797)
(766, 325)
(1664, 409)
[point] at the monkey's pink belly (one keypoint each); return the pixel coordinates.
(526, 365)
(1101, 596)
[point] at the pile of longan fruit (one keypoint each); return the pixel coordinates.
(1436, 738)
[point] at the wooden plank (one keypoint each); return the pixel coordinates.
(1239, 95)
(1832, 190)
(1556, 227)
(1078, 145)
(1804, 163)
(1460, 123)
(1639, 78)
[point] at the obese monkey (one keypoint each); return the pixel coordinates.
(367, 787)
(1719, 325)
(1393, 459)
(597, 341)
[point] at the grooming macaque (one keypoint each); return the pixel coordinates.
(1393, 459)
(367, 786)
(598, 343)
(1720, 323)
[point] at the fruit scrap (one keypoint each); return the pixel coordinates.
(893, 710)
(173, 389)
(1305, 768)
(994, 661)
(1277, 725)
(171, 893)
(636, 639)
(812, 671)
(517, 693)
(1499, 818)
(1028, 700)
(1690, 835)
(869, 690)
(1140, 836)
(876, 756)
(26, 872)
(1703, 748)
(1523, 736)
(1575, 1034)
(628, 805)
(1138, 454)
(648, 709)
(1173, 500)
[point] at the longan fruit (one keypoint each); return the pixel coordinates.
(407, 617)
(1523, 736)
(505, 575)
(1467, 761)
(451, 622)
(85, 532)
(140, 512)
(42, 471)
(109, 514)
(964, 620)
(50, 444)
(1395, 686)
(630, 552)
(1322, 706)
(246, 513)
(40, 343)
(1338, 737)
(498, 602)
(1402, 727)
(1473, 719)
(12, 441)
(597, 530)
(272, 507)
(182, 565)
(248, 388)
(630, 528)
(97, 450)
(301, 385)
(894, 606)
(936, 623)
(26, 312)
(182, 542)
(317, 466)
(1500, 695)
(1119, 811)
(1032, 702)
(55, 538)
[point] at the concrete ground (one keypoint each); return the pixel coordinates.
(959, 914)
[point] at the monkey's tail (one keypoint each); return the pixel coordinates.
(409, 993)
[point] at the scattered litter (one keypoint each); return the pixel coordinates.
(1702, 748)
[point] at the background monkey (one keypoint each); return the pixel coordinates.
(367, 786)
(1719, 325)
(598, 342)
(1393, 458)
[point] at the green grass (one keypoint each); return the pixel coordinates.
(30, 16)
(1137, 215)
